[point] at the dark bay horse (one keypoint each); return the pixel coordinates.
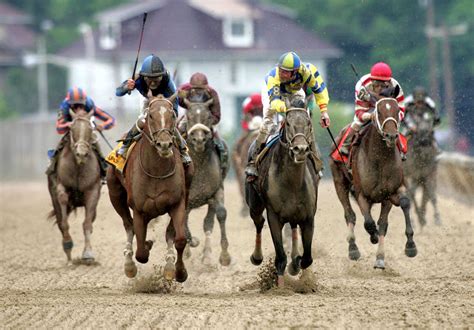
(207, 187)
(76, 182)
(377, 178)
(420, 167)
(153, 183)
(287, 188)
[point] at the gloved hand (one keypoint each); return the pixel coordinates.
(130, 84)
(324, 121)
(278, 105)
(367, 116)
(364, 94)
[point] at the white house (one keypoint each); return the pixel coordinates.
(234, 42)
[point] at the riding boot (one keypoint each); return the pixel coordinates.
(345, 147)
(317, 157)
(53, 159)
(223, 155)
(183, 148)
(132, 134)
(102, 163)
(251, 169)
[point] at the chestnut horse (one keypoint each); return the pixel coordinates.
(207, 187)
(153, 183)
(377, 178)
(287, 187)
(76, 181)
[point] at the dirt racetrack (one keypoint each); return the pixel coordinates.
(38, 290)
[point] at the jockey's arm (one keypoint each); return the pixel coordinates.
(63, 121)
(170, 89)
(215, 106)
(107, 120)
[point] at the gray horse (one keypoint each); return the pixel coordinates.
(287, 188)
(76, 182)
(207, 186)
(421, 167)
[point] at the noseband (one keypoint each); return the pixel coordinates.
(199, 125)
(305, 137)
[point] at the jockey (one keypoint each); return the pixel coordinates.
(76, 99)
(367, 89)
(155, 78)
(251, 107)
(416, 105)
(198, 88)
(289, 77)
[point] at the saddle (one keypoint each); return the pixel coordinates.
(117, 161)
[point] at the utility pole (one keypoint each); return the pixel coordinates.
(430, 24)
(42, 78)
(444, 32)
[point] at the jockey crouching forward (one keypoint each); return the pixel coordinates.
(291, 76)
(199, 90)
(155, 78)
(367, 92)
(75, 100)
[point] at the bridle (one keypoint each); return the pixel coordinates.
(151, 136)
(81, 140)
(380, 126)
(199, 125)
(307, 138)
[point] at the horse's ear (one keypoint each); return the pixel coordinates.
(287, 103)
(396, 91)
(72, 114)
(149, 94)
(186, 101)
(173, 97)
(209, 102)
(90, 114)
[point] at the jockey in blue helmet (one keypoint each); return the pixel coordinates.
(155, 78)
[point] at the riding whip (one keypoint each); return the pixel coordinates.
(139, 46)
(103, 136)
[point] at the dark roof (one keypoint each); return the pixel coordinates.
(182, 29)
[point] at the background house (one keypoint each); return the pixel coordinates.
(234, 42)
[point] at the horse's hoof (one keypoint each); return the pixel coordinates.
(354, 253)
(293, 269)
(194, 242)
(206, 260)
(181, 275)
(224, 258)
(68, 245)
(374, 239)
(410, 250)
(255, 261)
(187, 252)
(437, 221)
(379, 264)
(169, 272)
(88, 256)
(280, 281)
(130, 269)
(143, 259)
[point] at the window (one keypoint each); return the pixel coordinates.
(238, 32)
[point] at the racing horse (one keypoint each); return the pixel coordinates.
(377, 178)
(421, 166)
(153, 183)
(207, 187)
(287, 188)
(76, 182)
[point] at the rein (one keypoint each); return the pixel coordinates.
(289, 144)
(379, 126)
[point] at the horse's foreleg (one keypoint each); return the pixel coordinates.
(280, 259)
(178, 215)
(91, 198)
(139, 227)
(369, 223)
(221, 214)
(431, 191)
(63, 199)
(208, 227)
(170, 258)
(307, 230)
(403, 201)
(294, 266)
(193, 241)
(383, 226)
(257, 256)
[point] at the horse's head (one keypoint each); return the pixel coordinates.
(199, 124)
(387, 115)
(80, 134)
(298, 133)
(160, 124)
(424, 119)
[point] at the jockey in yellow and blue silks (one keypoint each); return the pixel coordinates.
(289, 77)
(155, 78)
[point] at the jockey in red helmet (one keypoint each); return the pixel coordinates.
(251, 107)
(366, 90)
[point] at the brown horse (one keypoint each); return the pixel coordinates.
(377, 178)
(76, 181)
(207, 187)
(153, 183)
(239, 161)
(287, 187)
